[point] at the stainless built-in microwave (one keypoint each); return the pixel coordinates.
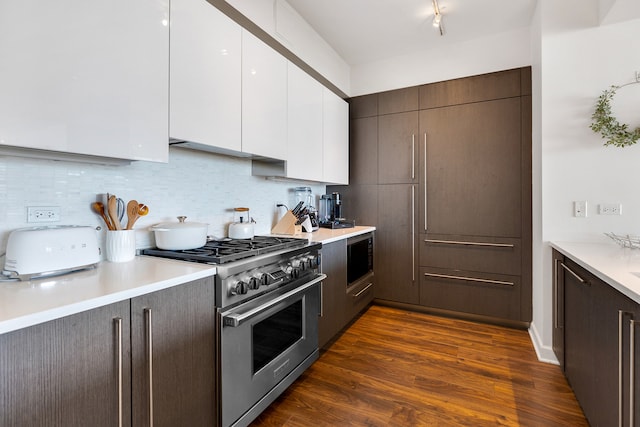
(359, 257)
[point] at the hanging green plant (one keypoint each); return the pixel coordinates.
(604, 123)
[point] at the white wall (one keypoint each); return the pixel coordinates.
(205, 187)
(579, 59)
(443, 62)
(282, 22)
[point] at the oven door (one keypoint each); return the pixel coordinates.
(265, 345)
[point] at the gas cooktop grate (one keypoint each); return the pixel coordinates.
(227, 250)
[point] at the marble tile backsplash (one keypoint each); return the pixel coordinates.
(204, 187)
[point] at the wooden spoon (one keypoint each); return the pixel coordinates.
(98, 208)
(132, 214)
(112, 210)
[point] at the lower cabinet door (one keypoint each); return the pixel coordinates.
(579, 362)
(332, 315)
(173, 345)
(72, 371)
(485, 294)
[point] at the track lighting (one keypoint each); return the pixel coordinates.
(437, 17)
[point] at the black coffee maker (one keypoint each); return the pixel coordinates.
(331, 212)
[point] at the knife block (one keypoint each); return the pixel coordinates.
(287, 225)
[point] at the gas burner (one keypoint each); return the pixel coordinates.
(228, 250)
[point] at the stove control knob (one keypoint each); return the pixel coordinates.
(254, 283)
(262, 279)
(295, 272)
(310, 261)
(239, 288)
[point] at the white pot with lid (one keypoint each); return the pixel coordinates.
(242, 228)
(181, 235)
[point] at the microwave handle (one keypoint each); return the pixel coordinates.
(236, 319)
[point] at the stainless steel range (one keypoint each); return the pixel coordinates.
(268, 302)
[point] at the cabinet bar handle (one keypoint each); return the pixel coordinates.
(469, 279)
(363, 290)
(456, 242)
(555, 284)
(413, 233)
(147, 314)
(425, 181)
(632, 355)
(118, 322)
(621, 314)
(413, 156)
(580, 279)
(321, 299)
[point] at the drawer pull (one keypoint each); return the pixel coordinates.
(362, 291)
(574, 274)
(470, 279)
(455, 242)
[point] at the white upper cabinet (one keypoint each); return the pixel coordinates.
(205, 77)
(85, 76)
(304, 139)
(264, 99)
(335, 153)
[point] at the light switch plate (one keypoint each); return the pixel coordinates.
(580, 209)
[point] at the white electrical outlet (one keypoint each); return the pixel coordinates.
(43, 213)
(580, 209)
(610, 209)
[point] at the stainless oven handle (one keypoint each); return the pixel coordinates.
(236, 319)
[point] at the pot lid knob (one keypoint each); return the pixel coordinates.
(181, 218)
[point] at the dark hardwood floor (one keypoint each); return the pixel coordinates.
(399, 368)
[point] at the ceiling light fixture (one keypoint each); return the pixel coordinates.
(437, 17)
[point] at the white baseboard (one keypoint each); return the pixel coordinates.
(544, 352)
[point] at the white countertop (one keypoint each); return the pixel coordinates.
(24, 304)
(618, 266)
(328, 235)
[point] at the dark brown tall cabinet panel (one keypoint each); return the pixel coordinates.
(174, 356)
(396, 243)
(454, 194)
(73, 371)
(471, 214)
(473, 183)
(397, 149)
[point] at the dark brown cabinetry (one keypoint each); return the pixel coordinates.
(341, 301)
(78, 370)
(594, 346)
(397, 149)
(453, 193)
(396, 243)
(173, 356)
(332, 314)
(73, 371)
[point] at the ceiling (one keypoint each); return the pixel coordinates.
(362, 31)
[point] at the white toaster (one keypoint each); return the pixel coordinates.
(46, 251)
